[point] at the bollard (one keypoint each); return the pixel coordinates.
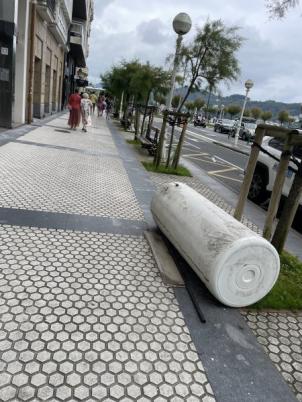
(238, 266)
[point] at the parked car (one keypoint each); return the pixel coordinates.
(224, 126)
(266, 168)
(247, 130)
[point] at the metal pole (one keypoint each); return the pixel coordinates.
(241, 116)
(175, 67)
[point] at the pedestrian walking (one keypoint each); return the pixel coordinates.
(74, 106)
(108, 108)
(101, 105)
(93, 99)
(86, 106)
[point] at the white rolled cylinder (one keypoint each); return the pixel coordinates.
(238, 266)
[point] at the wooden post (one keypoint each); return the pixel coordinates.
(179, 146)
(277, 189)
(159, 152)
(289, 212)
(248, 177)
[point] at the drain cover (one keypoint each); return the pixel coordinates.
(62, 131)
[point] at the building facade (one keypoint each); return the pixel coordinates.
(42, 42)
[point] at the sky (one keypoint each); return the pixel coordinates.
(271, 54)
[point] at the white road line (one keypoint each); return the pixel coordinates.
(229, 163)
(192, 145)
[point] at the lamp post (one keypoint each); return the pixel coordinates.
(221, 111)
(248, 86)
(181, 24)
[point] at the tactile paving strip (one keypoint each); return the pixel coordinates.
(86, 317)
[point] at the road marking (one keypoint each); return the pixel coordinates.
(200, 154)
(230, 169)
(229, 163)
(192, 145)
(225, 177)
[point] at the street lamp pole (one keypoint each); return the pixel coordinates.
(248, 86)
(221, 111)
(181, 24)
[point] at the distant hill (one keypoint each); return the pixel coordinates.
(275, 107)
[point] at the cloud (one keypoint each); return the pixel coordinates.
(271, 54)
(152, 32)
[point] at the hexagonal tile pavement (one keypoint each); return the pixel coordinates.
(280, 334)
(86, 317)
(54, 180)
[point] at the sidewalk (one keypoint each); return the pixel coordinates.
(85, 315)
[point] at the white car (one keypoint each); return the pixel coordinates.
(266, 168)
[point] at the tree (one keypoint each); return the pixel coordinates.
(190, 106)
(199, 103)
(211, 56)
(265, 116)
(278, 8)
(283, 117)
(136, 80)
(256, 112)
(247, 113)
(233, 110)
(175, 101)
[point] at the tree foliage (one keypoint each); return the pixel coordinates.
(211, 56)
(283, 116)
(175, 101)
(279, 8)
(199, 103)
(265, 116)
(136, 79)
(256, 112)
(247, 113)
(190, 106)
(233, 110)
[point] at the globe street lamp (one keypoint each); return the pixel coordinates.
(181, 24)
(248, 86)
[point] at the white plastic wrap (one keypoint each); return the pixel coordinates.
(237, 266)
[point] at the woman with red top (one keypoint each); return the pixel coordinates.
(74, 105)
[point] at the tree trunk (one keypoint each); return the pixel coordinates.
(208, 103)
(159, 152)
(137, 122)
(179, 147)
(289, 212)
(145, 112)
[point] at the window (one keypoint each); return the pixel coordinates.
(276, 143)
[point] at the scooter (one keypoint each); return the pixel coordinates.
(200, 123)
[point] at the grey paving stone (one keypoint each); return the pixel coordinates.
(280, 346)
(122, 337)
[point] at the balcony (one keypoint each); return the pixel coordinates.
(46, 9)
(80, 9)
(59, 28)
(77, 42)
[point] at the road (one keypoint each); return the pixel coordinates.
(222, 163)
